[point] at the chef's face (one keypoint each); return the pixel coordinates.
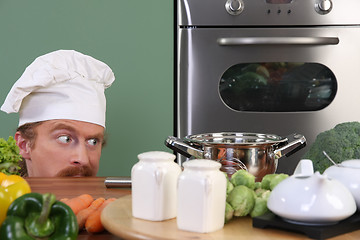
(63, 148)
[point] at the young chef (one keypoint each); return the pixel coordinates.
(61, 104)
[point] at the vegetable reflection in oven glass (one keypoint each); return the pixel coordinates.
(278, 87)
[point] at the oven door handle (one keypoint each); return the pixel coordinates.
(239, 41)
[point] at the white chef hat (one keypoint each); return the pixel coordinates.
(63, 84)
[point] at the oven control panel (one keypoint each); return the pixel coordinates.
(268, 12)
(236, 7)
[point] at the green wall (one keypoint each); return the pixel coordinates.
(133, 37)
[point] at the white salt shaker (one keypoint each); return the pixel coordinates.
(153, 183)
(201, 196)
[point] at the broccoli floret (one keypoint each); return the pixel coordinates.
(341, 143)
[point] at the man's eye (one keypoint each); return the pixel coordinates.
(93, 141)
(64, 139)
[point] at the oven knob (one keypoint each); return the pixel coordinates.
(323, 6)
(234, 7)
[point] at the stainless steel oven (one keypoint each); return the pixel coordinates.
(267, 66)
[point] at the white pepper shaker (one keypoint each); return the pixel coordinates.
(153, 179)
(201, 196)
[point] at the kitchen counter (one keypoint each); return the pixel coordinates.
(71, 187)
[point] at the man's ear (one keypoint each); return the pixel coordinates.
(23, 144)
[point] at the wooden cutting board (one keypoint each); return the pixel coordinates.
(117, 219)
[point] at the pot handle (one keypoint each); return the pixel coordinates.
(295, 143)
(181, 147)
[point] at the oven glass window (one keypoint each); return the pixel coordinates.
(278, 87)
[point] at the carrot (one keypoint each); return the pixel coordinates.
(84, 214)
(93, 222)
(80, 202)
(64, 200)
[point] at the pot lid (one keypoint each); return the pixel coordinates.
(232, 138)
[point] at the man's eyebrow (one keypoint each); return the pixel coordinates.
(58, 126)
(98, 136)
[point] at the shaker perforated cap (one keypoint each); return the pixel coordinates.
(63, 84)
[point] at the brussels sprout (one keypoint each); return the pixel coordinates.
(262, 193)
(229, 187)
(243, 177)
(260, 207)
(265, 182)
(265, 195)
(242, 200)
(229, 212)
(257, 185)
(277, 179)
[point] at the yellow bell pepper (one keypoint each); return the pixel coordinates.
(11, 187)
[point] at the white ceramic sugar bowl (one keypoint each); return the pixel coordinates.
(348, 173)
(311, 199)
(154, 180)
(201, 196)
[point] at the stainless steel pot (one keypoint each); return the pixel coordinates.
(254, 152)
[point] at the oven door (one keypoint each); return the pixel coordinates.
(267, 80)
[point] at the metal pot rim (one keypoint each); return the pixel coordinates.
(235, 138)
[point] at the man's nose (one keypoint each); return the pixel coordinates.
(81, 155)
